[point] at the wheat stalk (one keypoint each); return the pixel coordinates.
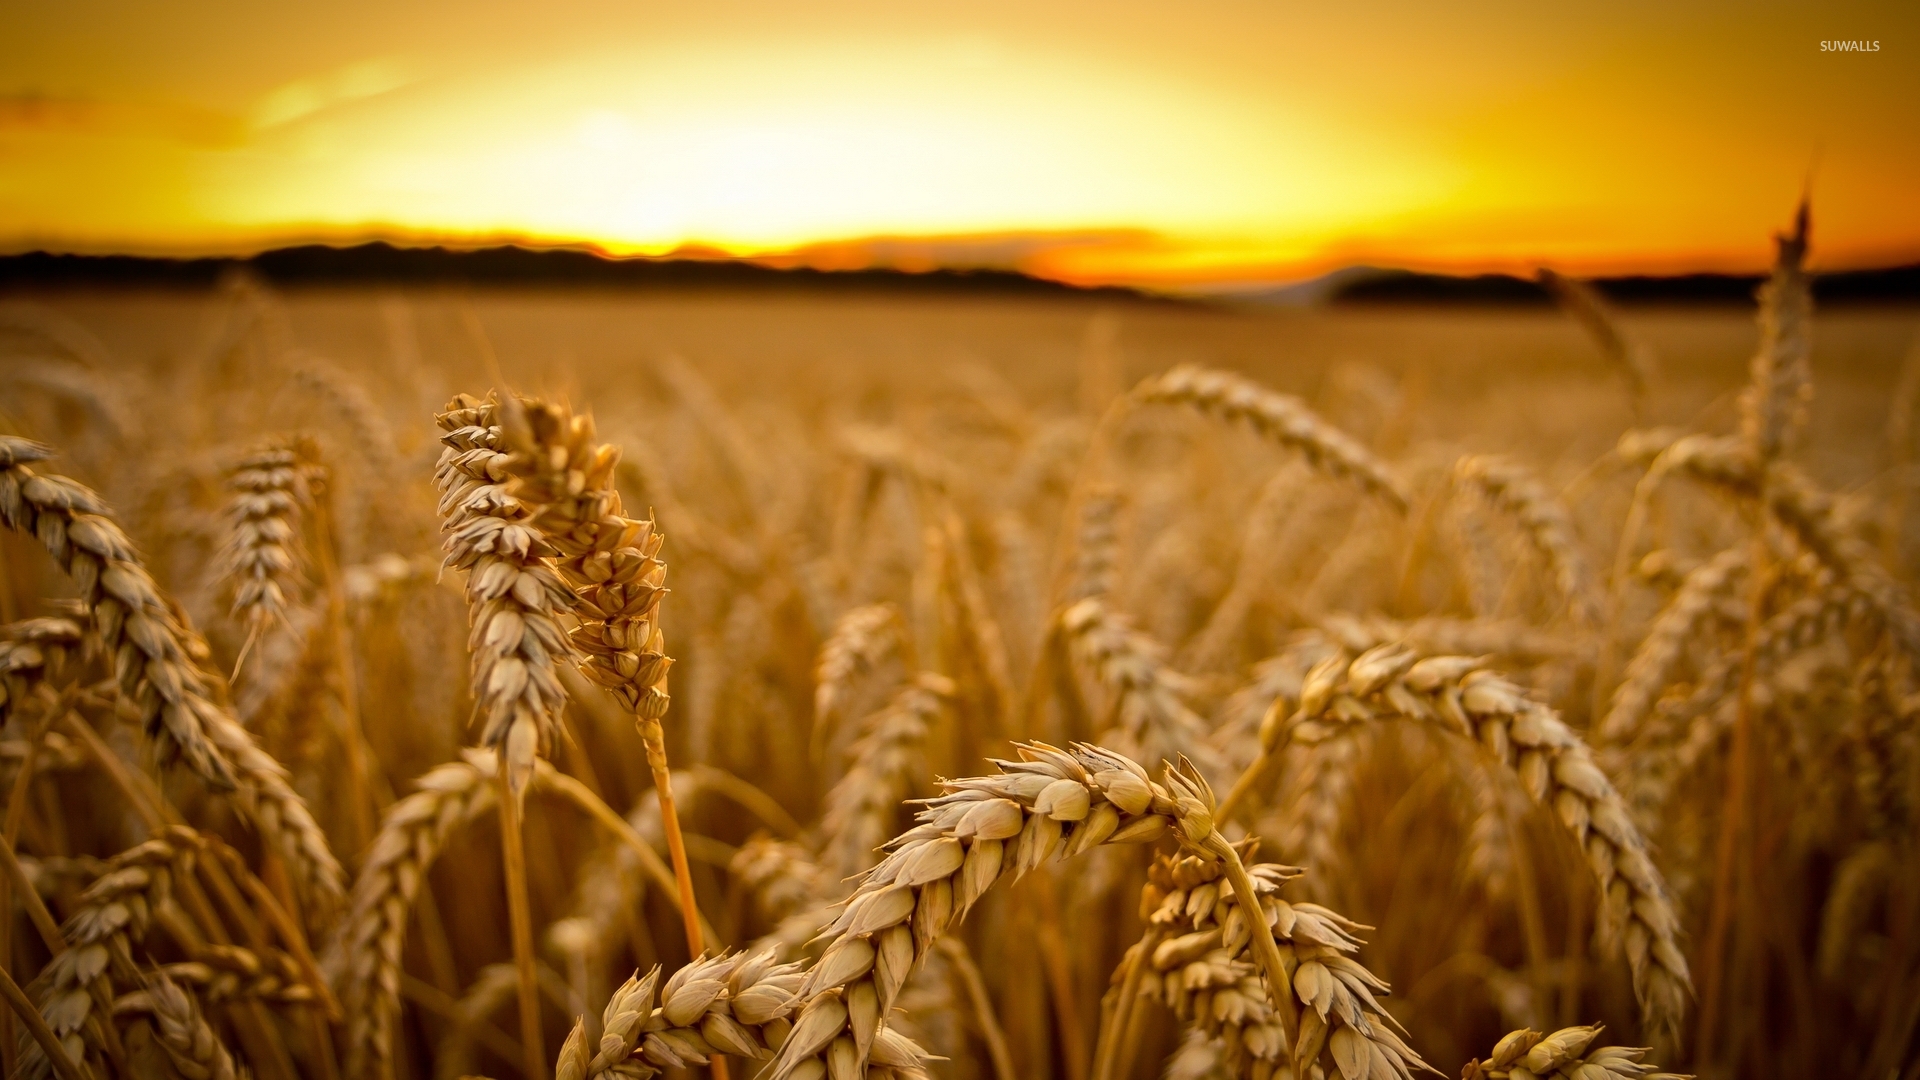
(156, 655)
(1279, 417)
(1567, 1053)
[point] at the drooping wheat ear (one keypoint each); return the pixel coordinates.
(110, 918)
(1553, 764)
(1514, 490)
(1280, 417)
(740, 1004)
(889, 755)
(1096, 545)
(221, 973)
(513, 595)
(859, 641)
(263, 559)
(1529, 1055)
(1633, 359)
(1705, 590)
(34, 652)
(983, 827)
(788, 887)
(190, 1044)
(1146, 713)
(156, 654)
(1773, 408)
(365, 955)
(1793, 499)
(1199, 962)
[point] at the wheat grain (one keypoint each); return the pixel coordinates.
(33, 653)
(1568, 1053)
(190, 1044)
(1279, 417)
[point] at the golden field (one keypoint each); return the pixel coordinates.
(1586, 707)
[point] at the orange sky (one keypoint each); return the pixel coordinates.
(1158, 143)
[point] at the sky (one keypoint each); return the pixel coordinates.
(1201, 144)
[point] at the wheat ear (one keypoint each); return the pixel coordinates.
(1552, 763)
(262, 559)
(156, 656)
(1517, 492)
(1280, 417)
(1048, 801)
(1529, 1055)
(1702, 593)
(190, 1044)
(1200, 965)
(1146, 715)
(889, 755)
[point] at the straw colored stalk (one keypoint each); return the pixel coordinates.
(861, 806)
(1198, 962)
(1568, 1054)
(1146, 714)
(1281, 418)
(1048, 802)
(262, 557)
(156, 655)
(1552, 763)
(1514, 489)
(740, 1003)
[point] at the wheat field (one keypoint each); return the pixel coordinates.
(431, 683)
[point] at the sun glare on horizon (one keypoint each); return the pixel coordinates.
(1152, 162)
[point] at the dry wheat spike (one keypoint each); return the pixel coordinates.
(1773, 408)
(1554, 766)
(740, 1004)
(860, 639)
(365, 954)
(1514, 489)
(33, 652)
(190, 1044)
(1048, 801)
(1702, 592)
(221, 973)
(885, 761)
(1529, 1055)
(1280, 417)
(110, 918)
(1633, 359)
(262, 557)
(155, 654)
(513, 594)
(1146, 714)
(1198, 954)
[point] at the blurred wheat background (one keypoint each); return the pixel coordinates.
(1569, 654)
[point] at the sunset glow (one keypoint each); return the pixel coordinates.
(1093, 143)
